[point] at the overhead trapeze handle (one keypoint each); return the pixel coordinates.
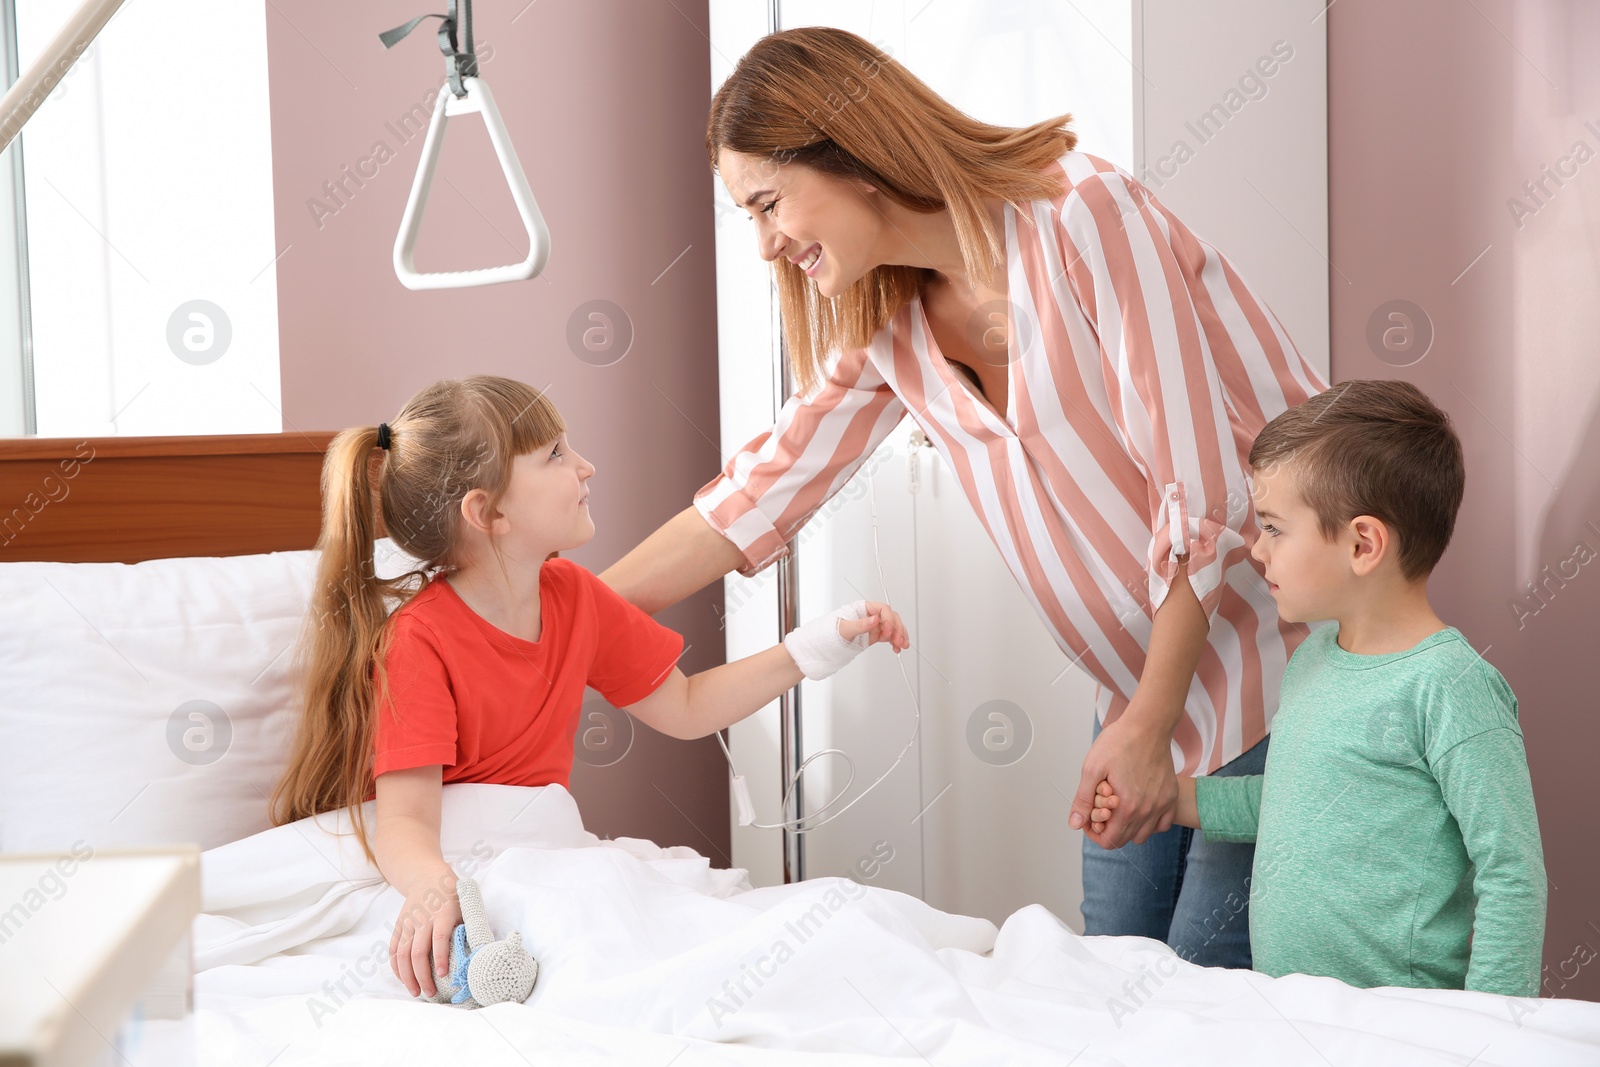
(477, 99)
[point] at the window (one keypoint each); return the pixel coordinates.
(138, 293)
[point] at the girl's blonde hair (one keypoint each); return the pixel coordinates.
(832, 101)
(451, 438)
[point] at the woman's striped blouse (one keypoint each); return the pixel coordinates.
(1141, 367)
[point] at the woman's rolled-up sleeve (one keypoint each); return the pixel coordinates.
(1169, 310)
(776, 482)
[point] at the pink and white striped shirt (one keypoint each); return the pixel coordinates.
(1143, 371)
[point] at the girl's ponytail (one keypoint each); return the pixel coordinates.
(340, 654)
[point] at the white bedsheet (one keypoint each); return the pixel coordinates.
(650, 956)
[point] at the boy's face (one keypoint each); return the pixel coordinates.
(1309, 575)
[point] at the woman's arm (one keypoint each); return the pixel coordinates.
(1198, 476)
(746, 516)
(407, 848)
(1135, 751)
(682, 557)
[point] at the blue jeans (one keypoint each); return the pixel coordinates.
(1177, 887)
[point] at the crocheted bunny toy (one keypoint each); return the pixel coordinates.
(484, 971)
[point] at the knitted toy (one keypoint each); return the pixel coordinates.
(483, 971)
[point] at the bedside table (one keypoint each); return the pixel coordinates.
(84, 938)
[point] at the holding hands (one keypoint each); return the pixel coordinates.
(1145, 796)
(1185, 813)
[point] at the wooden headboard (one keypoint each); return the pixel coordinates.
(125, 499)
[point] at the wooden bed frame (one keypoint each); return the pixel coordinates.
(126, 499)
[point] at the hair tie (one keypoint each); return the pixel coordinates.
(384, 435)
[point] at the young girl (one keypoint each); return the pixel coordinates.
(479, 675)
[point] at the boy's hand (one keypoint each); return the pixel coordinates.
(420, 931)
(1105, 801)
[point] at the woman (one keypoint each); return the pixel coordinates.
(1092, 372)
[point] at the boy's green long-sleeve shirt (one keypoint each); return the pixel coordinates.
(1394, 819)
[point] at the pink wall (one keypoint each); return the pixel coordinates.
(1439, 112)
(606, 103)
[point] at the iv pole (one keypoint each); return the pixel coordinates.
(790, 746)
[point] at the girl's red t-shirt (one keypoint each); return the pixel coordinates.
(491, 707)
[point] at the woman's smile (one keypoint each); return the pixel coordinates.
(809, 261)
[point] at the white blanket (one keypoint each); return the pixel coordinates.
(649, 956)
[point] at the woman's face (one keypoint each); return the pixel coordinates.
(828, 226)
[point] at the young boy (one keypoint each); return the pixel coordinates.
(1396, 841)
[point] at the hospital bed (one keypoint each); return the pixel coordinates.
(152, 591)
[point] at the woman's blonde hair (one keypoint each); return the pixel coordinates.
(451, 438)
(830, 100)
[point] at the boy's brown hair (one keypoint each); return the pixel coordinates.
(1378, 448)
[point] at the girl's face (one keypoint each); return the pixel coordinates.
(546, 506)
(828, 226)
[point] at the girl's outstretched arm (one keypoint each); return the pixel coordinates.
(690, 707)
(407, 847)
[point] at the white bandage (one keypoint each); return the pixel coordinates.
(819, 648)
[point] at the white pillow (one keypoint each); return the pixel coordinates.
(148, 703)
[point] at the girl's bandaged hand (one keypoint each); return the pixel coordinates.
(825, 644)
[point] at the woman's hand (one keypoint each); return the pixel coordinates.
(1138, 762)
(427, 922)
